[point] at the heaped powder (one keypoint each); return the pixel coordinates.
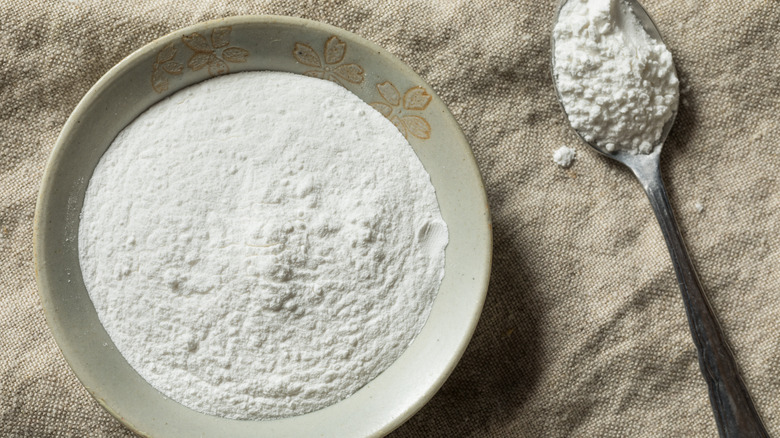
(617, 84)
(261, 245)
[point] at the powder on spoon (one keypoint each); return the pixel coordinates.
(617, 84)
(261, 245)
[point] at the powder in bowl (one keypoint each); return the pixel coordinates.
(261, 245)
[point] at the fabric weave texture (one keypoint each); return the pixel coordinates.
(583, 331)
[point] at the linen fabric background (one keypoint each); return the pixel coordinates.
(583, 332)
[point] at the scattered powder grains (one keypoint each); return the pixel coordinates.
(564, 156)
(261, 245)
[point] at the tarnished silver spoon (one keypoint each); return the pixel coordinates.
(735, 414)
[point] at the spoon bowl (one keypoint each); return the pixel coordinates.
(735, 413)
(625, 157)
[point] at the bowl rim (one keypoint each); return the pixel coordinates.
(45, 291)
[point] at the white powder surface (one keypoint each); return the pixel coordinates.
(564, 156)
(617, 84)
(261, 245)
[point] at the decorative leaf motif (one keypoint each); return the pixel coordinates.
(197, 43)
(306, 55)
(417, 126)
(220, 37)
(217, 66)
(350, 72)
(204, 55)
(416, 98)
(199, 60)
(383, 108)
(334, 50)
(164, 63)
(159, 83)
(399, 124)
(389, 92)
(330, 64)
(235, 54)
(173, 67)
(166, 54)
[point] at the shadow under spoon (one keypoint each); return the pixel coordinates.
(735, 414)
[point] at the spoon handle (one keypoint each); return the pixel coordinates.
(735, 414)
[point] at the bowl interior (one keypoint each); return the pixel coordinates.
(238, 44)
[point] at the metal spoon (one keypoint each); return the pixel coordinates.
(735, 414)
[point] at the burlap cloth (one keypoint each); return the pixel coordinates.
(583, 332)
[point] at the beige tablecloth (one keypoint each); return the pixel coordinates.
(583, 332)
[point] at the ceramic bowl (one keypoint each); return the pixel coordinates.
(293, 45)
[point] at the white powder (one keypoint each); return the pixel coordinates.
(617, 84)
(564, 156)
(261, 245)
